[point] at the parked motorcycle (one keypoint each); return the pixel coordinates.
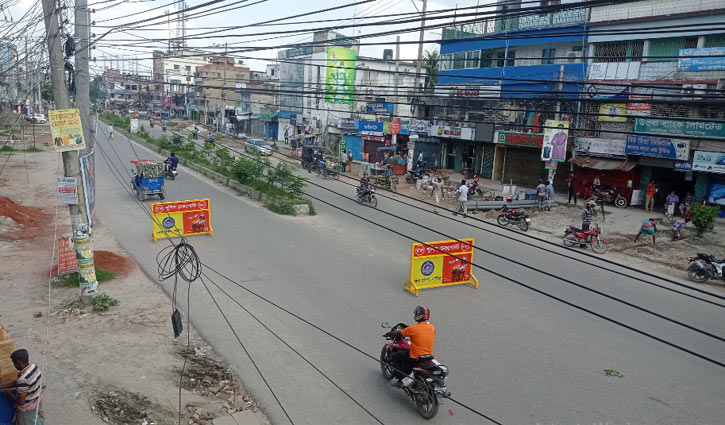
(413, 176)
(514, 217)
(575, 236)
(368, 198)
(705, 267)
(428, 375)
(611, 194)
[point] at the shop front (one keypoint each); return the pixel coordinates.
(606, 160)
(459, 150)
(372, 139)
(710, 169)
(517, 158)
(351, 136)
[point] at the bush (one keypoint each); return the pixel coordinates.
(703, 217)
(285, 207)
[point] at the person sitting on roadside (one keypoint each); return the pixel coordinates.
(679, 224)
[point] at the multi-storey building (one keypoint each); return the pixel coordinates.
(652, 106)
(222, 96)
(173, 75)
(126, 90)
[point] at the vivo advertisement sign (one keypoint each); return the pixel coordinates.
(371, 127)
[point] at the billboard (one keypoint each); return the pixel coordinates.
(441, 263)
(710, 162)
(340, 75)
(556, 135)
(658, 147)
(704, 59)
(66, 130)
(181, 218)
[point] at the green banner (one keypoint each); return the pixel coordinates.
(340, 75)
(701, 128)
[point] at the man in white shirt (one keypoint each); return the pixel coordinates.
(110, 131)
(463, 198)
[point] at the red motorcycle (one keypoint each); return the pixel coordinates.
(428, 375)
(514, 217)
(574, 236)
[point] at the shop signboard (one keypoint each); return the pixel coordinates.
(658, 147)
(704, 59)
(441, 263)
(467, 91)
(593, 146)
(379, 108)
(349, 123)
(600, 91)
(403, 128)
(419, 126)
(66, 130)
(638, 105)
(683, 166)
(370, 127)
(452, 132)
(340, 75)
(717, 194)
(181, 218)
(520, 139)
(613, 112)
(394, 127)
(700, 128)
(556, 136)
(711, 162)
(67, 190)
(614, 70)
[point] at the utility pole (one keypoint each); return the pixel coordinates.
(420, 44)
(83, 96)
(82, 243)
(395, 87)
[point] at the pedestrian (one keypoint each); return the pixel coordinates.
(196, 132)
(679, 224)
(672, 201)
(588, 212)
(549, 194)
(286, 135)
(649, 195)
(349, 160)
(685, 204)
(437, 191)
(571, 183)
(462, 193)
(28, 390)
(649, 227)
(110, 131)
(541, 194)
(420, 160)
(596, 183)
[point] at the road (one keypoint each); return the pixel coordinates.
(516, 355)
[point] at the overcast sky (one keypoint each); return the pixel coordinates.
(123, 46)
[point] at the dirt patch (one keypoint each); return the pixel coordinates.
(119, 407)
(30, 221)
(107, 260)
(202, 373)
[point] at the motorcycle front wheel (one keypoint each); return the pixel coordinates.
(599, 246)
(620, 202)
(523, 225)
(374, 202)
(502, 220)
(570, 240)
(426, 401)
(385, 364)
(695, 274)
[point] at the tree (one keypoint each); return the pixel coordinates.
(46, 91)
(96, 86)
(431, 59)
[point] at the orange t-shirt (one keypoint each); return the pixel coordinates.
(421, 337)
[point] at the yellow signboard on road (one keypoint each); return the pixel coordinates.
(66, 130)
(181, 218)
(441, 263)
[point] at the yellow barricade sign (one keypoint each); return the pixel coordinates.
(181, 218)
(441, 263)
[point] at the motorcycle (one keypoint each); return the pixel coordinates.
(169, 171)
(705, 267)
(413, 176)
(574, 236)
(274, 146)
(368, 198)
(609, 195)
(514, 217)
(428, 375)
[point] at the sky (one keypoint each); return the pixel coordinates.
(124, 44)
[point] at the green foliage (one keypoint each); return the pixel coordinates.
(46, 91)
(7, 148)
(103, 302)
(71, 280)
(285, 207)
(703, 217)
(33, 149)
(123, 123)
(431, 60)
(190, 136)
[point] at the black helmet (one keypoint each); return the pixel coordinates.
(421, 313)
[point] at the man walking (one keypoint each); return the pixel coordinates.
(549, 195)
(437, 191)
(28, 399)
(110, 131)
(349, 160)
(462, 198)
(571, 186)
(650, 196)
(541, 194)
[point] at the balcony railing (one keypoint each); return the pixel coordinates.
(652, 8)
(492, 26)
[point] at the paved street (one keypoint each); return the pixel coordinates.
(514, 354)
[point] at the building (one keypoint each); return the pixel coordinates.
(222, 97)
(500, 81)
(652, 103)
(173, 76)
(126, 90)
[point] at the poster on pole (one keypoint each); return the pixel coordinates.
(88, 174)
(67, 262)
(134, 125)
(556, 136)
(67, 190)
(340, 75)
(66, 130)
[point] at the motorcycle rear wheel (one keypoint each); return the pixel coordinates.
(502, 220)
(523, 225)
(570, 240)
(426, 402)
(695, 274)
(374, 202)
(385, 364)
(599, 246)
(620, 202)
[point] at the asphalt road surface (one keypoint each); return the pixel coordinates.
(515, 355)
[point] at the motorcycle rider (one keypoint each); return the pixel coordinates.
(364, 187)
(171, 162)
(422, 337)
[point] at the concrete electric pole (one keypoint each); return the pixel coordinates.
(81, 238)
(83, 78)
(420, 44)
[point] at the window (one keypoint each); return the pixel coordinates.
(188, 67)
(176, 66)
(667, 49)
(715, 40)
(459, 60)
(486, 59)
(219, 75)
(511, 58)
(188, 79)
(620, 51)
(548, 56)
(133, 86)
(501, 57)
(473, 58)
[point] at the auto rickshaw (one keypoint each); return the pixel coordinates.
(148, 178)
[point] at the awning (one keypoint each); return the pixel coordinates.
(604, 164)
